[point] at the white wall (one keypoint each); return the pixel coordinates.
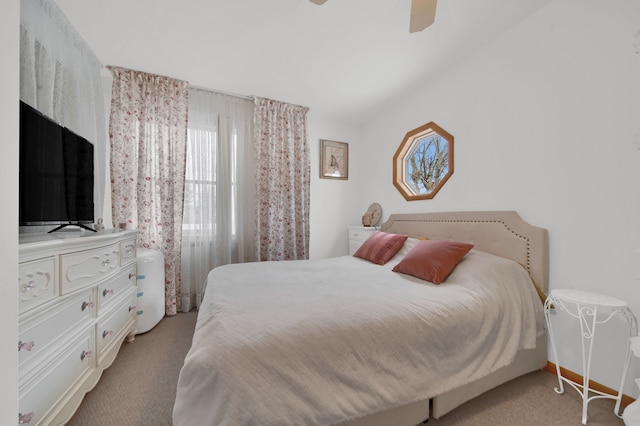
(332, 207)
(9, 84)
(546, 121)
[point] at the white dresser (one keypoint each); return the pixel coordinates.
(77, 304)
(357, 236)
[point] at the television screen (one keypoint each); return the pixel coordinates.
(55, 173)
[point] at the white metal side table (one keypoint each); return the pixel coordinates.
(590, 309)
(631, 415)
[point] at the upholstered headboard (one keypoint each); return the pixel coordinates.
(503, 233)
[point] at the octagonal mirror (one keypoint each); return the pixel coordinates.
(423, 162)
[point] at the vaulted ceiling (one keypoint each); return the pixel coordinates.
(346, 59)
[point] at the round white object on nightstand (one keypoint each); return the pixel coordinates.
(375, 210)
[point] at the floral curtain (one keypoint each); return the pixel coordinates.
(219, 223)
(148, 133)
(283, 171)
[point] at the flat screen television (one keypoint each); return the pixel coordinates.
(55, 173)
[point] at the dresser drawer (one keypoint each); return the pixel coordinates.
(40, 394)
(115, 321)
(109, 291)
(37, 282)
(360, 234)
(127, 251)
(44, 330)
(88, 267)
(354, 246)
(357, 236)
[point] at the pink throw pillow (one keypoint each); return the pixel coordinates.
(433, 260)
(380, 247)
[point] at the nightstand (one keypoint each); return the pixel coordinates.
(358, 235)
(590, 309)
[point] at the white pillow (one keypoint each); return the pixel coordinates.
(406, 248)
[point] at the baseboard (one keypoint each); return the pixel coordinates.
(575, 377)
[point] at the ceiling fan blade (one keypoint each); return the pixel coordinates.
(423, 13)
(318, 2)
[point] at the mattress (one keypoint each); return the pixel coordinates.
(320, 342)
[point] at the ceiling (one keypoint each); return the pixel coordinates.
(345, 59)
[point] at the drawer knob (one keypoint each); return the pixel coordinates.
(132, 308)
(25, 418)
(106, 262)
(27, 346)
(85, 354)
(86, 305)
(106, 292)
(107, 333)
(131, 275)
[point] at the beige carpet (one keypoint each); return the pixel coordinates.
(140, 387)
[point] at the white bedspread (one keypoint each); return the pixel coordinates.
(319, 342)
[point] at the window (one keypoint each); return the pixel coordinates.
(201, 191)
(423, 162)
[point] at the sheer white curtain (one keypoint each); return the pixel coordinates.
(218, 224)
(61, 77)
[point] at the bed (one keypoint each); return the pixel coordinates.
(350, 342)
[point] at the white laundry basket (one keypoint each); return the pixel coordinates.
(150, 288)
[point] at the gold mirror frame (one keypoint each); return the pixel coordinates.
(436, 167)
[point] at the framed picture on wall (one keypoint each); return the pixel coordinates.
(334, 159)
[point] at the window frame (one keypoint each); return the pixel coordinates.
(407, 147)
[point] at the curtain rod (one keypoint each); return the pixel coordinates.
(235, 95)
(105, 68)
